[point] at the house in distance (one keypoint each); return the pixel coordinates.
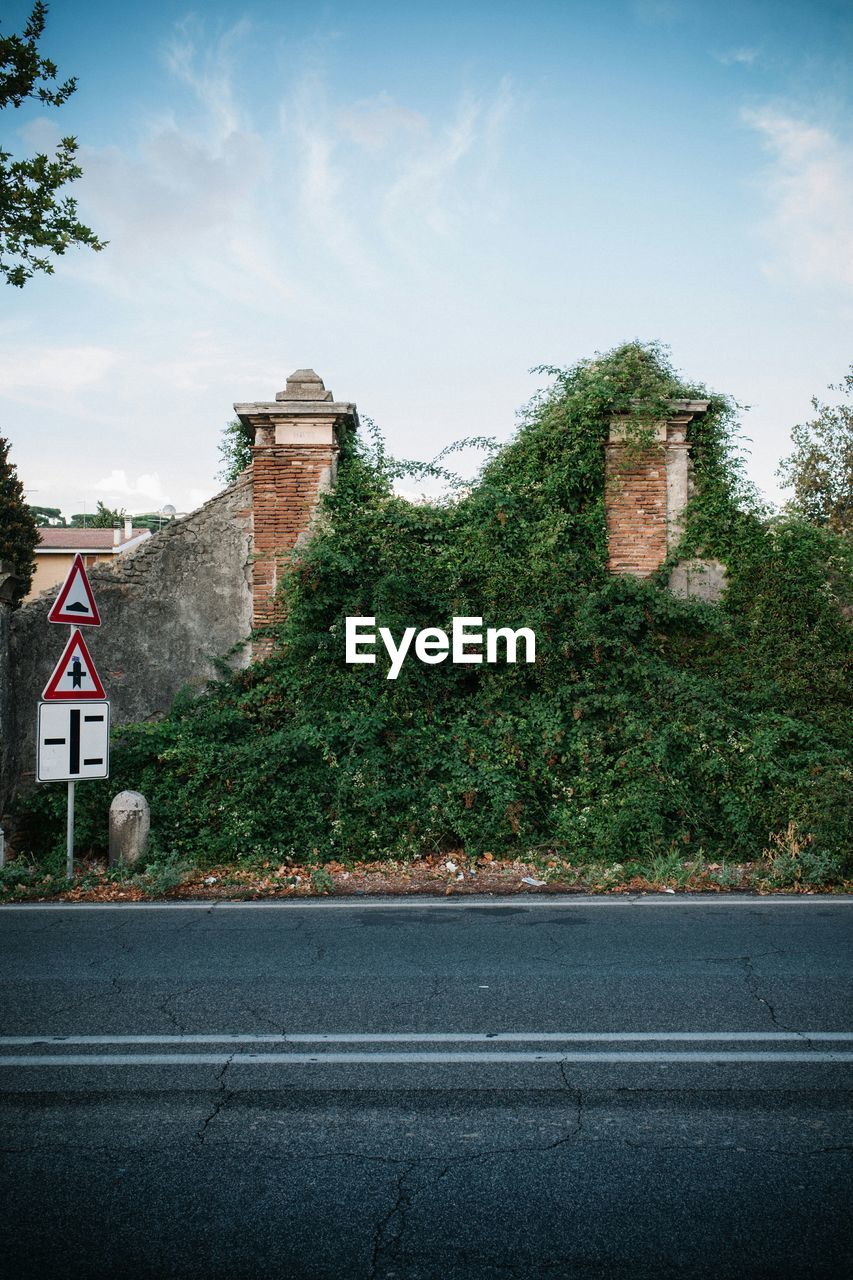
(58, 547)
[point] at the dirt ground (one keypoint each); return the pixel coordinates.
(435, 875)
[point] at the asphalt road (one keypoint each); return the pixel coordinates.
(578, 1088)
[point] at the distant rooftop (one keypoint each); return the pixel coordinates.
(88, 539)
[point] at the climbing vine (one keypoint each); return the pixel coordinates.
(648, 724)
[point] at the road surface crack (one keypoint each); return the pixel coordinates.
(265, 1016)
(525, 1148)
(577, 1096)
(388, 1233)
(222, 1098)
(170, 1014)
(750, 978)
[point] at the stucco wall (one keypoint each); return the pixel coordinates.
(168, 609)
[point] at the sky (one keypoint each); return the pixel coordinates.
(424, 202)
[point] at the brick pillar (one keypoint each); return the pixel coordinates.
(296, 441)
(646, 493)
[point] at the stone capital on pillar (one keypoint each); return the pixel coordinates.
(295, 444)
(304, 413)
(647, 491)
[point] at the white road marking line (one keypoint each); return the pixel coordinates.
(431, 904)
(438, 1037)
(412, 1059)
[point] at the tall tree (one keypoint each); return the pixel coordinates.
(103, 518)
(18, 533)
(47, 517)
(35, 220)
(820, 469)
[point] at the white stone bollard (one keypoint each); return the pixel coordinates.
(130, 822)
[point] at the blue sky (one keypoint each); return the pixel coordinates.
(423, 201)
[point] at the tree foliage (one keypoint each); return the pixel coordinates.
(107, 517)
(103, 517)
(18, 532)
(820, 469)
(235, 451)
(47, 517)
(648, 726)
(35, 219)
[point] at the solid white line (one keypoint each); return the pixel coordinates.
(442, 1037)
(554, 902)
(412, 1059)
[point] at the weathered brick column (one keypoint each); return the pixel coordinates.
(296, 441)
(646, 493)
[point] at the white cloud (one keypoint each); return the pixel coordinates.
(810, 185)
(117, 487)
(54, 370)
(323, 198)
(375, 122)
(437, 181)
(179, 205)
(40, 134)
(423, 184)
(210, 201)
(146, 492)
(377, 182)
(207, 69)
(171, 209)
(738, 57)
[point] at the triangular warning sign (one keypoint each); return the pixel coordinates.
(75, 602)
(74, 676)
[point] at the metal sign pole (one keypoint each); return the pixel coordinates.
(69, 823)
(69, 864)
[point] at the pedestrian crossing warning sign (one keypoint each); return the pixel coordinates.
(74, 676)
(75, 603)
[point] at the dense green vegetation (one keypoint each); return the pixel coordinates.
(18, 532)
(649, 726)
(820, 469)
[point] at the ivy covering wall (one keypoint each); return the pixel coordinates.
(648, 724)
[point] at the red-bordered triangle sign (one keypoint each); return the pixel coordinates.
(74, 676)
(75, 602)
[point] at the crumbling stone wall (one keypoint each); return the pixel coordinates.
(168, 610)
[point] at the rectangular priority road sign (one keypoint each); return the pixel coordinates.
(73, 741)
